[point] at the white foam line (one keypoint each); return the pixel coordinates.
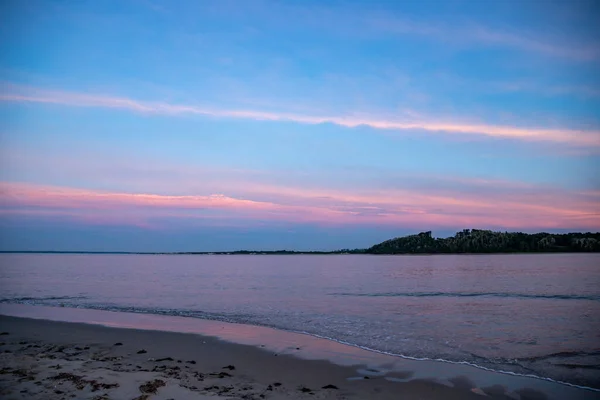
(444, 361)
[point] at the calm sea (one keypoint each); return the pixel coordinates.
(527, 314)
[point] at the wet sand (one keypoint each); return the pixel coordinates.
(42, 359)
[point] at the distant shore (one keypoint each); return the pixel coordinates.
(467, 241)
(286, 253)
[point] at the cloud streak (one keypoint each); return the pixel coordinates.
(400, 208)
(18, 94)
(574, 52)
(470, 34)
(351, 21)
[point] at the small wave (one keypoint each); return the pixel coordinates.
(65, 302)
(473, 294)
(39, 299)
(230, 318)
(562, 354)
(579, 366)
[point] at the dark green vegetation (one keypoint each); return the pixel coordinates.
(483, 241)
(474, 241)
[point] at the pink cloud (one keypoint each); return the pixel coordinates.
(286, 196)
(513, 197)
(396, 208)
(14, 93)
(152, 205)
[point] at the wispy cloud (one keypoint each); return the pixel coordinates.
(376, 22)
(516, 85)
(583, 92)
(15, 93)
(522, 41)
(402, 208)
(471, 34)
(359, 184)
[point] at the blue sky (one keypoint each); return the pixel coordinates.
(212, 125)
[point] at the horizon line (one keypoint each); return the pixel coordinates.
(343, 251)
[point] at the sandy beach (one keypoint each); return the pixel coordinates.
(42, 359)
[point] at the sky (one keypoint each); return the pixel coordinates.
(148, 125)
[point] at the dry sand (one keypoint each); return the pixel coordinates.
(59, 360)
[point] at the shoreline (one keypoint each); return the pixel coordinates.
(304, 350)
(203, 320)
(97, 362)
(289, 253)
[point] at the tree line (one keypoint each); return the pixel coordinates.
(486, 241)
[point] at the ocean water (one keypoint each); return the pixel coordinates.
(534, 314)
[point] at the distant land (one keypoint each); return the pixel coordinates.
(467, 241)
(484, 241)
